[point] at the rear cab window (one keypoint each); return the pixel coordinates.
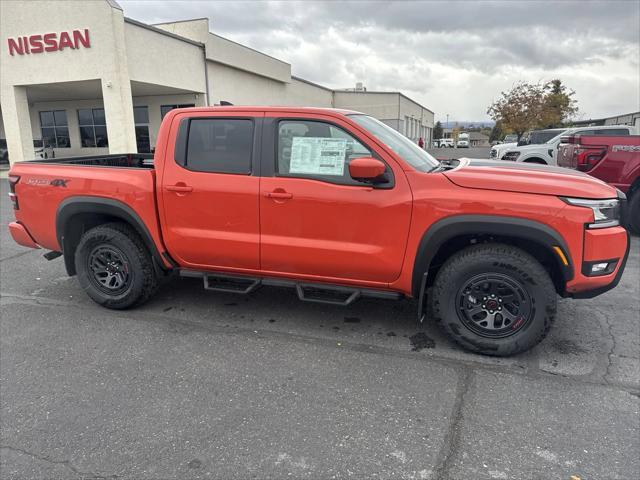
(219, 145)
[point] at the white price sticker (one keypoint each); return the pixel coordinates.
(318, 156)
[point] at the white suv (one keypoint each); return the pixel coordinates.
(546, 153)
(532, 137)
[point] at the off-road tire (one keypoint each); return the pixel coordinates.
(633, 210)
(143, 281)
(503, 260)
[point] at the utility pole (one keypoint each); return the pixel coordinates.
(447, 127)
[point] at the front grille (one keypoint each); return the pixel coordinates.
(493, 153)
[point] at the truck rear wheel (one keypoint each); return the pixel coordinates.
(494, 299)
(114, 267)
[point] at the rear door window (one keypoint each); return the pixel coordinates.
(220, 145)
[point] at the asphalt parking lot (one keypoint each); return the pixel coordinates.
(197, 384)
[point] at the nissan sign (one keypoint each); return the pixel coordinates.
(49, 42)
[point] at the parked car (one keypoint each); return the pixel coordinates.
(545, 153)
(510, 138)
(335, 204)
(615, 160)
(445, 143)
(531, 137)
(43, 150)
(463, 144)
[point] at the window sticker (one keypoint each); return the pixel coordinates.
(318, 155)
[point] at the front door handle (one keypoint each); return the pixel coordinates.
(280, 195)
(180, 188)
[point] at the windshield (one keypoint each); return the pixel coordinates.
(544, 136)
(538, 137)
(401, 145)
(556, 138)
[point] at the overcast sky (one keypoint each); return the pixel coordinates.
(453, 57)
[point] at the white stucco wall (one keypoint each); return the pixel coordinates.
(243, 88)
(228, 52)
(106, 60)
(162, 60)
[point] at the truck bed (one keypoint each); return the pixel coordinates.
(124, 160)
(43, 186)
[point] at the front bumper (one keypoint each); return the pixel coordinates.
(601, 245)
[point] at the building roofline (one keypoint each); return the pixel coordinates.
(249, 48)
(183, 21)
(606, 118)
(114, 4)
(387, 93)
(293, 77)
(162, 32)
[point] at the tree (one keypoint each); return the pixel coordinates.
(437, 130)
(496, 132)
(531, 106)
(559, 104)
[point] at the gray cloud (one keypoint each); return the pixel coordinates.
(427, 48)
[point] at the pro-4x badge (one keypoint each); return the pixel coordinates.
(59, 182)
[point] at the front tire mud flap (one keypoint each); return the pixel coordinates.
(422, 304)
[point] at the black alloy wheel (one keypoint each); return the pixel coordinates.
(494, 305)
(110, 270)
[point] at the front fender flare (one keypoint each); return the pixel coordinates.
(515, 227)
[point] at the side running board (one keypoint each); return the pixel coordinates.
(307, 292)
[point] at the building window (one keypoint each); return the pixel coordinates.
(54, 128)
(93, 127)
(164, 109)
(220, 145)
(141, 119)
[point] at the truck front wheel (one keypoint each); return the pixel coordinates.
(114, 267)
(494, 299)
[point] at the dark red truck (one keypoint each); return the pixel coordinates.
(614, 160)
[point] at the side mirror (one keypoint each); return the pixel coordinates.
(366, 169)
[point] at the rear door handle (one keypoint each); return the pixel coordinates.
(180, 188)
(280, 195)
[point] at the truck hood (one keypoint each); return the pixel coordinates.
(503, 176)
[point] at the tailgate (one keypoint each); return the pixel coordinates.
(565, 156)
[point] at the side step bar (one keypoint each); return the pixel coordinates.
(308, 292)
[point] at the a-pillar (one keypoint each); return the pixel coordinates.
(17, 124)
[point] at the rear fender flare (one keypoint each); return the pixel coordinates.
(73, 206)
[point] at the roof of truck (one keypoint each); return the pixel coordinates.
(265, 108)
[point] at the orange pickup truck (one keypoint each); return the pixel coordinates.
(335, 204)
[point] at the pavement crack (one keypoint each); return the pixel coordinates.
(607, 373)
(451, 443)
(16, 255)
(65, 463)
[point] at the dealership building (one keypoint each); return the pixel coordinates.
(83, 79)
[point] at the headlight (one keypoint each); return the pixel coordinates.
(512, 156)
(606, 213)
